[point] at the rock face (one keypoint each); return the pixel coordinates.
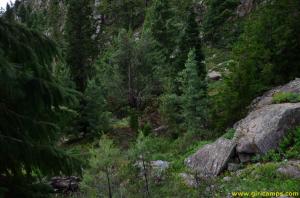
(263, 129)
(212, 158)
(290, 169)
(266, 99)
(267, 123)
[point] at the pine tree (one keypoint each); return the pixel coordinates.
(22, 13)
(191, 39)
(80, 53)
(95, 112)
(30, 101)
(215, 26)
(132, 61)
(102, 176)
(80, 48)
(127, 14)
(194, 95)
(140, 157)
(55, 21)
(9, 13)
(158, 23)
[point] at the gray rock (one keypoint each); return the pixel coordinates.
(233, 166)
(227, 179)
(245, 157)
(159, 165)
(290, 169)
(214, 75)
(189, 180)
(211, 159)
(263, 129)
(65, 184)
(157, 168)
(267, 98)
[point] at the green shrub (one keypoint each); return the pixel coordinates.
(272, 155)
(283, 97)
(229, 134)
(290, 145)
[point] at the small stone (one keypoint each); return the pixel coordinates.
(290, 169)
(227, 179)
(189, 180)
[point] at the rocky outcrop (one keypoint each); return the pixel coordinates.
(212, 158)
(259, 132)
(263, 129)
(267, 123)
(290, 169)
(267, 98)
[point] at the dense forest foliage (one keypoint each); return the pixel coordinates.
(101, 89)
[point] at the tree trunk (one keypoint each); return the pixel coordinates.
(131, 99)
(108, 183)
(146, 178)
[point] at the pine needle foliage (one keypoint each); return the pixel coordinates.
(194, 95)
(30, 97)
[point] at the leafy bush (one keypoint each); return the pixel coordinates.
(229, 134)
(290, 146)
(282, 97)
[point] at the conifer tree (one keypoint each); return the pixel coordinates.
(9, 13)
(102, 176)
(30, 100)
(218, 13)
(94, 112)
(141, 157)
(191, 39)
(194, 95)
(55, 21)
(22, 13)
(158, 23)
(80, 48)
(80, 52)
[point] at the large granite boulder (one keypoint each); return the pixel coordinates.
(211, 159)
(263, 129)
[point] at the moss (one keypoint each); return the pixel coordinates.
(283, 97)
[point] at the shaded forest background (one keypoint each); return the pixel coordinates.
(132, 74)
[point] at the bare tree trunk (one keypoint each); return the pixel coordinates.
(109, 184)
(130, 89)
(146, 178)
